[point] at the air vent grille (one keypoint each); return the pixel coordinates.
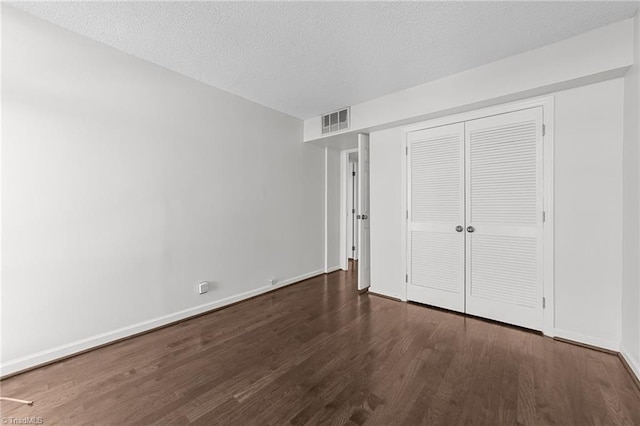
(335, 121)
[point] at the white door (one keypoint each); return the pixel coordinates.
(504, 218)
(364, 253)
(436, 217)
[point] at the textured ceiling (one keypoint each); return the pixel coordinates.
(307, 58)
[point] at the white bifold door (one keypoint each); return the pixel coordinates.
(436, 217)
(475, 217)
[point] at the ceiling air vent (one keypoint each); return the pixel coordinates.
(335, 121)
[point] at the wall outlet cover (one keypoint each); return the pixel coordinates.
(203, 287)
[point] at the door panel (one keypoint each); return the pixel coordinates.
(436, 208)
(504, 211)
(364, 255)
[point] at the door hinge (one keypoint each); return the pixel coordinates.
(353, 173)
(544, 216)
(353, 211)
(407, 214)
(353, 248)
(544, 130)
(544, 303)
(406, 278)
(406, 150)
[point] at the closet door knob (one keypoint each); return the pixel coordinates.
(459, 228)
(470, 229)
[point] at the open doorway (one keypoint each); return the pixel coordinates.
(354, 211)
(352, 208)
(349, 226)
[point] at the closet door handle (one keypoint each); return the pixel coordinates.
(459, 228)
(470, 229)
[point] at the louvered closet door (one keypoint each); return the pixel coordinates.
(504, 213)
(436, 208)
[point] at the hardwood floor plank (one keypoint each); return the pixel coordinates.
(319, 353)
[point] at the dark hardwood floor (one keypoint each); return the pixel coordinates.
(318, 353)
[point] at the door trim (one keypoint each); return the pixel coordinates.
(547, 104)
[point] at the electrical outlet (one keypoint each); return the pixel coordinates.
(273, 281)
(203, 287)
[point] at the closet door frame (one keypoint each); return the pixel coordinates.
(547, 104)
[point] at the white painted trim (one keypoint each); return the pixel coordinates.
(404, 205)
(547, 104)
(333, 269)
(326, 209)
(1, 186)
(383, 294)
(480, 113)
(633, 363)
(49, 355)
(344, 262)
(548, 246)
(344, 213)
(587, 340)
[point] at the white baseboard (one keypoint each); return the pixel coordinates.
(332, 269)
(384, 294)
(587, 340)
(47, 356)
(633, 362)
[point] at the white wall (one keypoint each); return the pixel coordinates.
(332, 182)
(630, 346)
(124, 184)
(593, 56)
(588, 212)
